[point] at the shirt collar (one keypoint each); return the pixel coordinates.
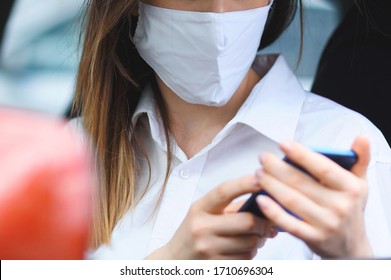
(274, 106)
(147, 106)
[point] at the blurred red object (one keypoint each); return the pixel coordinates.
(46, 183)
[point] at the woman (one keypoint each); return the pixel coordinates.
(178, 106)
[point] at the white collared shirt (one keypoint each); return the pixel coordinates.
(277, 109)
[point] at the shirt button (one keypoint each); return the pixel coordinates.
(184, 173)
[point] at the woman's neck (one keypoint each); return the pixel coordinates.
(195, 126)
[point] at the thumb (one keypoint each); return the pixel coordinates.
(361, 147)
(217, 200)
(234, 207)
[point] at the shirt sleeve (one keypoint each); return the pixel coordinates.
(378, 209)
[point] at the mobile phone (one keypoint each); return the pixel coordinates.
(345, 158)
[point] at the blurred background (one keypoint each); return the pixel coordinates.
(39, 50)
(39, 54)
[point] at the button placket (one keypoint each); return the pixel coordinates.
(176, 202)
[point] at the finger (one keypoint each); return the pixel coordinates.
(234, 245)
(242, 223)
(272, 233)
(242, 244)
(217, 199)
(234, 207)
(293, 200)
(294, 178)
(319, 166)
(270, 230)
(285, 221)
(362, 149)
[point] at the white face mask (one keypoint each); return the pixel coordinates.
(203, 57)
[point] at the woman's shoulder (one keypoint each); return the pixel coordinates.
(339, 124)
(324, 110)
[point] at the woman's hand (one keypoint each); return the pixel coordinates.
(331, 204)
(214, 230)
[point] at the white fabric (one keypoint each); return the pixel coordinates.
(277, 109)
(220, 47)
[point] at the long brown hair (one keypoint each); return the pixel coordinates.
(111, 78)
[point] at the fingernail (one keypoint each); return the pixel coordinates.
(255, 182)
(259, 173)
(261, 159)
(287, 145)
(273, 232)
(262, 201)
